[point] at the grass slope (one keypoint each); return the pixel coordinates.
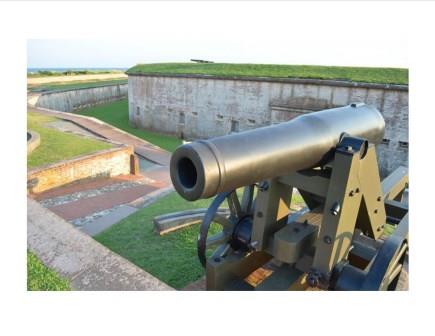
(357, 74)
(74, 85)
(42, 278)
(50, 73)
(55, 145)
(116, 114)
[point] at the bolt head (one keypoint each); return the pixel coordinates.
(327, 240)
(335, 209)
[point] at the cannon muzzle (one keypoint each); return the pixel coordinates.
(203, 168)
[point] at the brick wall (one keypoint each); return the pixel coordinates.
(111, 162)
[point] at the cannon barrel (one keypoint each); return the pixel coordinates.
(203, 168)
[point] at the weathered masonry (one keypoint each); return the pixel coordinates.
(70, 100)
(200, 106)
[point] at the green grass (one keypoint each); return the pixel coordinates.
(74, 85)
(389, 229)
(172, 257)
(55, 145)
(357, 74)
(47, 73)
(116, 114)
(42, 278)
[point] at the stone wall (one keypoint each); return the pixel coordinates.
(198, 106)
(111, 162)
(75, 99)
(33, 141)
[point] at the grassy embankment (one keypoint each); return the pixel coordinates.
(51, 73)
(42, 278)
(357, 74)
(80, 84)
(55, 145)
(116, 114)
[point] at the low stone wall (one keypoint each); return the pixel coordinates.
(33, 141)
(74, 99)
(112, 162)
(200, 106)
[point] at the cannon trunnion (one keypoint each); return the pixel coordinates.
(336, 242)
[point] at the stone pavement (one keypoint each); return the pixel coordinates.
(94, 206)
(86, 206)
(75, 255)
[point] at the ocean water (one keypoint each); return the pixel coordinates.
(30, 70)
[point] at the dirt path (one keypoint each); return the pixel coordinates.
(54, 79)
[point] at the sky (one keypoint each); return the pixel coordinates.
(123, 53)
(279, 33)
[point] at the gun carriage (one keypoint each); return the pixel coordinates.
(337, 241)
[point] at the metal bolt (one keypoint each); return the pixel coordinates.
(253, 244)
(357, 190)
(313, 278)
(327, 240)
(335, 209)
(379, 199)
(351, 193)
(263, 186)
(259, 214)
(376, 211)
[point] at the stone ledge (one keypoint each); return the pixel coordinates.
(76, 256)
(43, 93)
(312, 81)
(82, 167)
(33, 141)
(170, 222)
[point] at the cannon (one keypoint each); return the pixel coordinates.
(336, 242)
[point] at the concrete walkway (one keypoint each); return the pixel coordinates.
(141, 147)
(85, 262)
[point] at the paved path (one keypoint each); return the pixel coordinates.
(85, 262)
(94, 206)
(141, 147)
